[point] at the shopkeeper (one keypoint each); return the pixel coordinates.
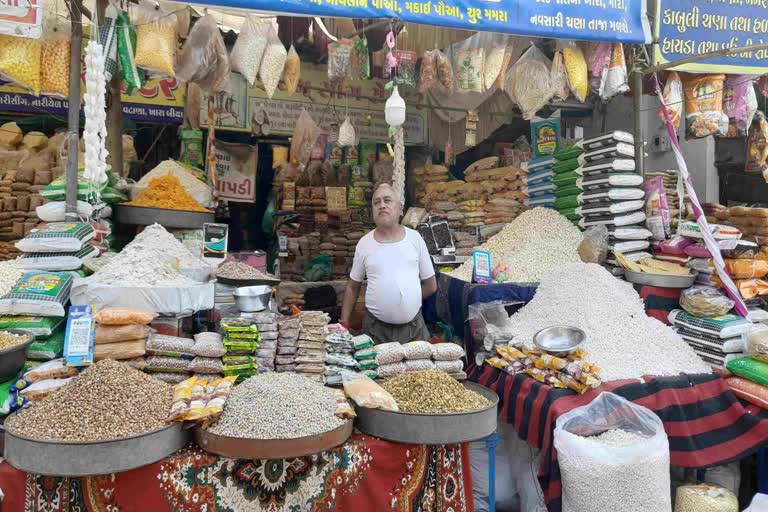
(396, 263)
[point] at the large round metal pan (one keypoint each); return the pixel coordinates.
(415, 428)
(75, 459)
(145, 216)
(243, 448)
(660, 280)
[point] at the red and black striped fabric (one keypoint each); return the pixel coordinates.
(705, 422)
(659, 301)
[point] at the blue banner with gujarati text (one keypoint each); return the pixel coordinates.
(692, 27)
(592, 20)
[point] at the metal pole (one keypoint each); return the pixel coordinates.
(73, 117)
(637, 106)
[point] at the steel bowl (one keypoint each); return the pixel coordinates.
(13, 359)
(253, 298)
(559, 340)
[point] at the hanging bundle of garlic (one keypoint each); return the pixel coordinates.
(398, 173)
(94, 108)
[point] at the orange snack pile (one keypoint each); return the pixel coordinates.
(167, 192)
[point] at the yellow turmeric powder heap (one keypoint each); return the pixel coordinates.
(167, 192)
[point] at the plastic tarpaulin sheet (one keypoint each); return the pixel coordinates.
(622, 21)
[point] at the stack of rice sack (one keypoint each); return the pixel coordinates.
(241, 340)
(426, 175)
(57, 246)
(121, 333)
(27, 164)
(287, 344)
(208, 350)
(169, 358)
(310, 356)
(539, 184)
(338, 353)
(448, 358)
(716, 340)
(365, 356)
(268, 328)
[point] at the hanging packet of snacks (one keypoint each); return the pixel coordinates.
(614, 79)
(155, 40)
(505, 66)
(339, 60)
(406, 67)
(598, 59)
(361, 60)
(444, 70)
(272, 64)
(347, 135)
(757, 147)
(54, 63)
(704, 105)
(673, 99)
(250, 45)
(529, 83)
(575, 69)
(427, 71)
(468, 65)
(20, 62)
(559, 77)
(126, 53)
(203, 59)
(305, 134)
(494, 65)
(735, 104)
(292, 71)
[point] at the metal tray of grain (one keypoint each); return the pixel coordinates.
(75, 459)
(244, 448)
(145, 216)
(660, 280)
(417, 428)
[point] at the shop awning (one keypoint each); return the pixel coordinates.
(623, 21)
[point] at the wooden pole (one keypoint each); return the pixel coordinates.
(73, 115)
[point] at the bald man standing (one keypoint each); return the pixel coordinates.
(396, 263)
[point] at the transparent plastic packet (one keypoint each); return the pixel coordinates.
(292, 71)
(273, 63)
(529, 82)
(54, 61)
(249, 48)
(203, 59)
(155, 39)
(366, 393)
(20, 62)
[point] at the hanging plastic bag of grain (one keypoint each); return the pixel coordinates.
(613, 455)
(292, 71)
(250, 45)
(529, 83)
(468, 64)
(576, 69)
(705, 498)
(204, 59)
(54, 63)
(494, 64)
(673, 99)
(559, 77)
(20, 62)
(126, 53)
(614, 79)
(155, 39)
(444, 69)
(272, 64)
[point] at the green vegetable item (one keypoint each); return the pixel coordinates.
(126, 53)
(45, 349)
(40, 326)
(568, 153)
(750, 369)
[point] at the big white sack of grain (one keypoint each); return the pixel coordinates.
(614, 457)
(621, 339)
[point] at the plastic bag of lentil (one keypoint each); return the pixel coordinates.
(20, 62)
(705, 498)
(529, 82)
(54, 63)
(155, 39)
(417, 350)
(388, 353)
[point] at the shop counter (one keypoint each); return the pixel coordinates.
(365, 473)
(706, 424)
